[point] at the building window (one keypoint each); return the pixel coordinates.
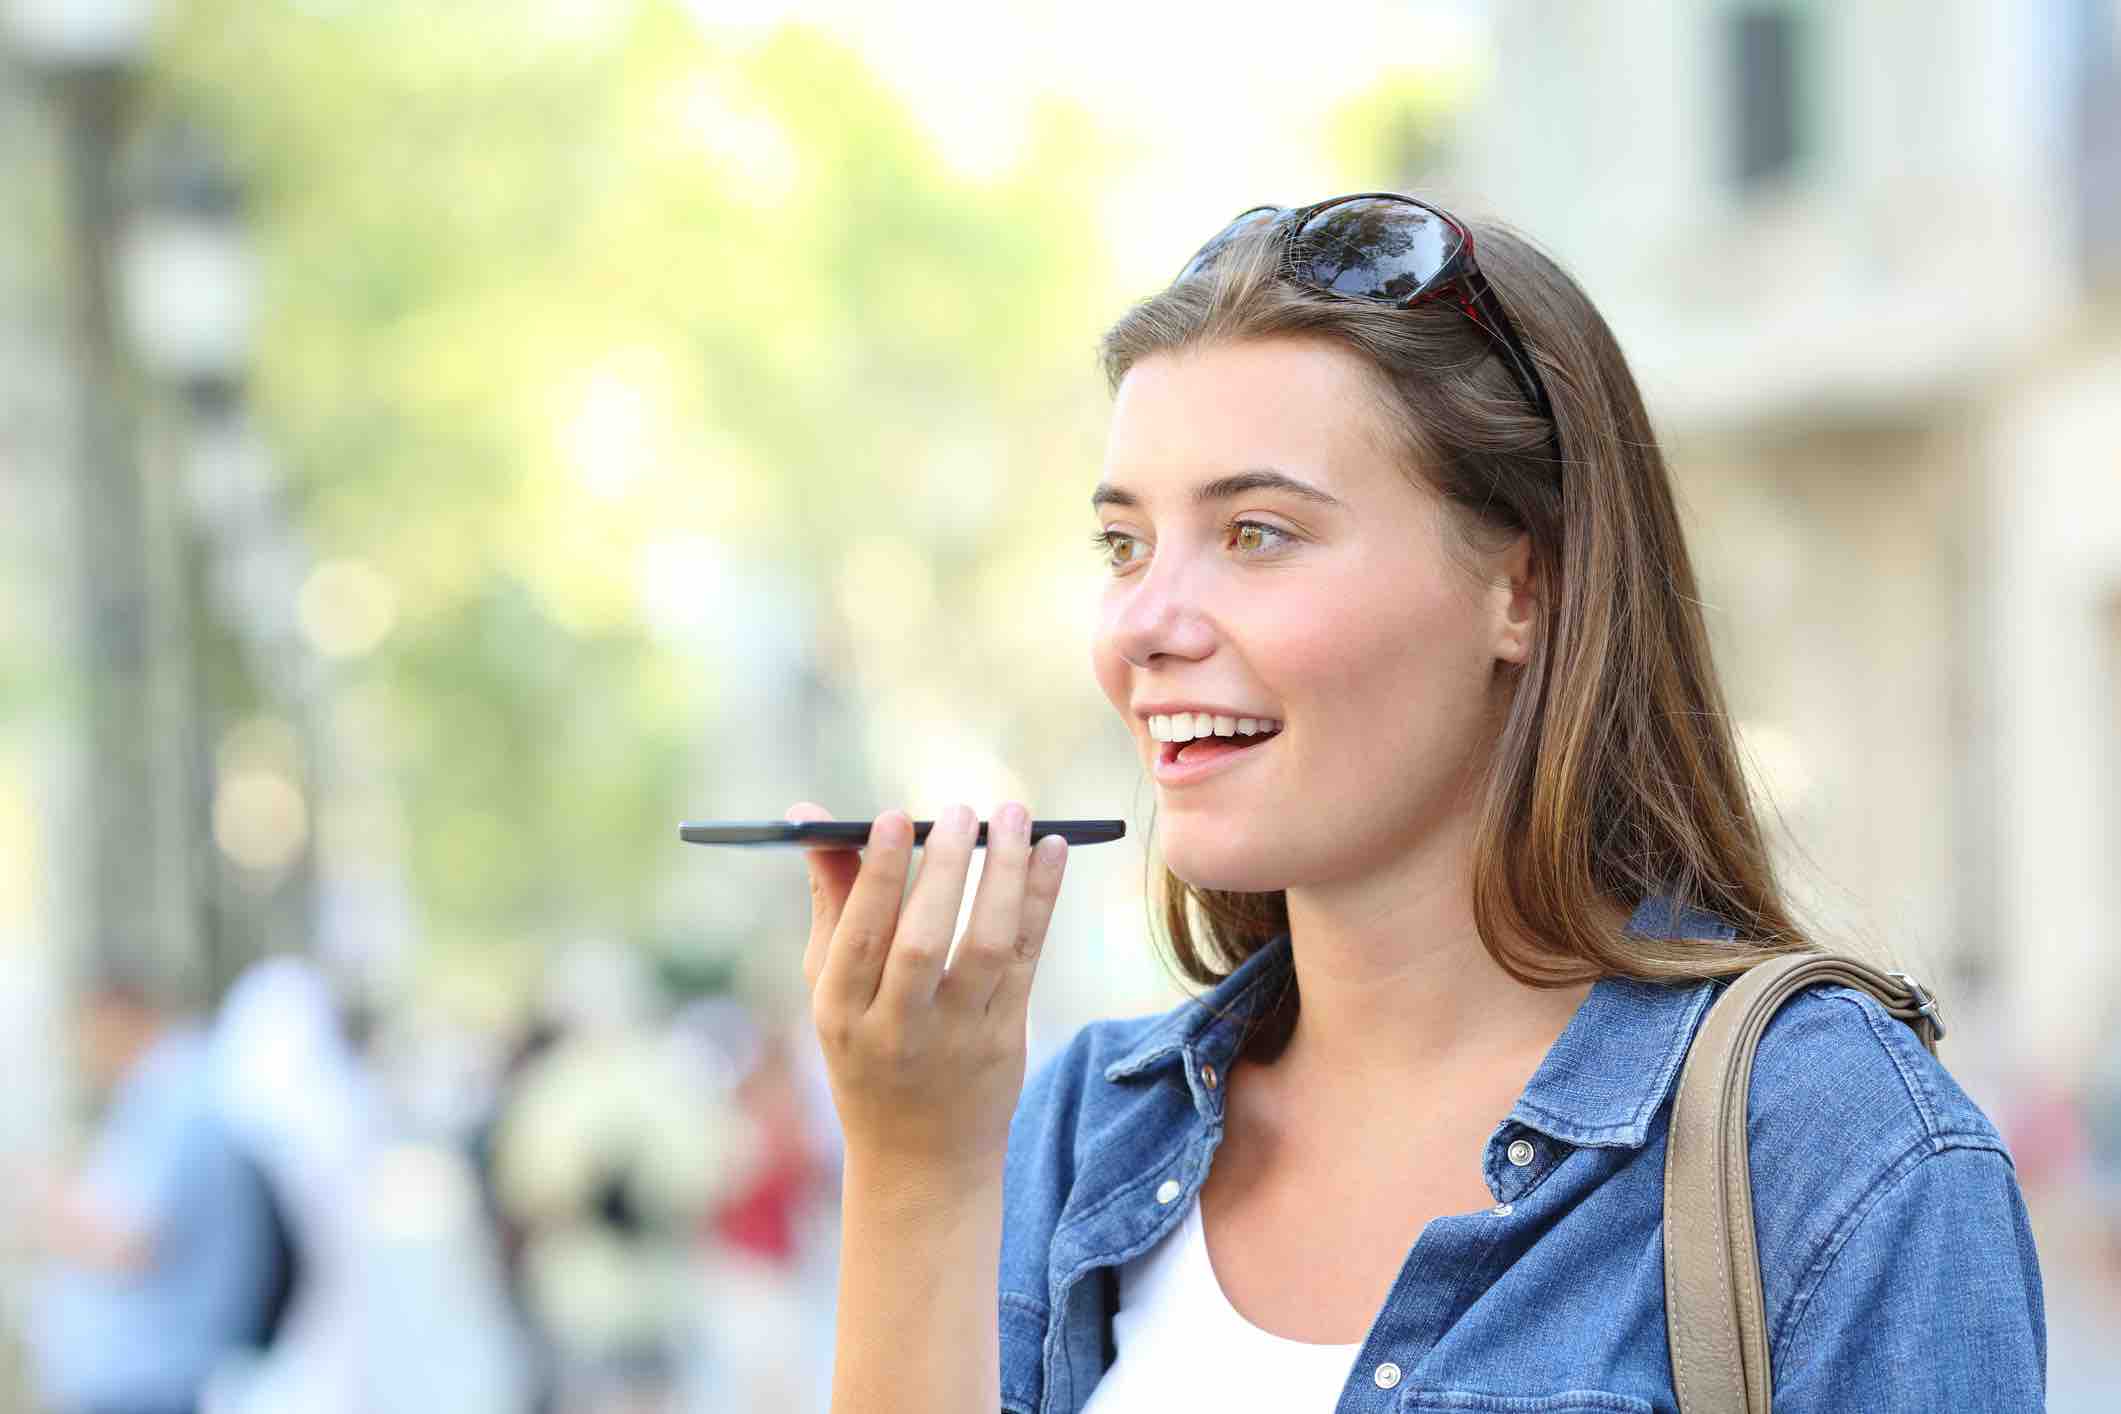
(1766, 88)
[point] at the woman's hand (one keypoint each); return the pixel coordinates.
(927, 1062)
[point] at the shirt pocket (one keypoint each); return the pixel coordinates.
(1572, 1401)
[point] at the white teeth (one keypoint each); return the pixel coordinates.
(1187, 726)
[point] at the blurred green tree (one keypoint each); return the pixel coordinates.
(542, 297)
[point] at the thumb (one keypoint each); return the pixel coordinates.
(832, 874)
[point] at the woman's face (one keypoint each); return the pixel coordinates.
(1337, 610)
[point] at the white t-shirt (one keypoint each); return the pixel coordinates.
(1182, 1345)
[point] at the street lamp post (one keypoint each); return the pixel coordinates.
(190, 296)
(186, 266)
(85, 50)
(188, 287)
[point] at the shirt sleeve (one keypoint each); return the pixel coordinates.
(1928, 1299)
(161, 1169)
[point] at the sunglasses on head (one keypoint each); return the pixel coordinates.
(1388, 249)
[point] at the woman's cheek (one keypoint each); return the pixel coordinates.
(1110, 670)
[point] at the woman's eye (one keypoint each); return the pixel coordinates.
(1120, 548)
(1248, 535)
(1253, 536)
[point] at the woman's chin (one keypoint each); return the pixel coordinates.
(1223, 870)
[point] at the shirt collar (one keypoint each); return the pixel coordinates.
(1211, 1024)
(1600, 1084)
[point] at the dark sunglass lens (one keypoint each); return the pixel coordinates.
(1204, 259)
(1382, 250)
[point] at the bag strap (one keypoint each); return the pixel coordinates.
(1712, 1300)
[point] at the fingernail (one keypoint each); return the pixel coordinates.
(1050, 848)
(892, 828)
(960, 819)
(1015, 821)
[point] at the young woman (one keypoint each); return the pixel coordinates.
(1402, 623)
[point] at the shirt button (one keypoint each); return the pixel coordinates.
(1502, 1210)
(1387, 1375)
(1520, 1152)
(1167, 1190)
(1207, 1076)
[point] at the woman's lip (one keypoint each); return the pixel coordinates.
(1181, 773)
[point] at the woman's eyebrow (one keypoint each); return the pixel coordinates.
(1222, 488)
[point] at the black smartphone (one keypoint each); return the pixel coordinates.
(853, 834)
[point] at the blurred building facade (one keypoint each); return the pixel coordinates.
(1866, 260)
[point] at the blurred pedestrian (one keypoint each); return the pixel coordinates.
(160, 1246)
(511, 1233)
(2084, 1292)
(2102, 1127)
(760, 1323)
(299, 1101)
(760, 1218)
(610, 1153)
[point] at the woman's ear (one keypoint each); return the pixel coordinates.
(1516, 599)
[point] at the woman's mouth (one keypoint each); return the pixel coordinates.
(1203, 748)
(1182, 762)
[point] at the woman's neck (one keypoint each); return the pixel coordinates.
(1396, 986)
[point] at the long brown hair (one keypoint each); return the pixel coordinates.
(1615, 775)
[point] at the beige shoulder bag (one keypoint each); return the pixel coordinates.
(1712, 1302)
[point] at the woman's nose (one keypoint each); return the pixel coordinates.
(1160, 615)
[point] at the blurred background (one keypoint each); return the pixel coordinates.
(443, 446)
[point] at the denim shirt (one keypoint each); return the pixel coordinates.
(1896, 1258)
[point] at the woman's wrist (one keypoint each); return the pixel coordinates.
(900, 1190)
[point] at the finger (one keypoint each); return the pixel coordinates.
(990, 932)
(832, 875)
(1042, 881)
(929, 919)
(854, 958)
